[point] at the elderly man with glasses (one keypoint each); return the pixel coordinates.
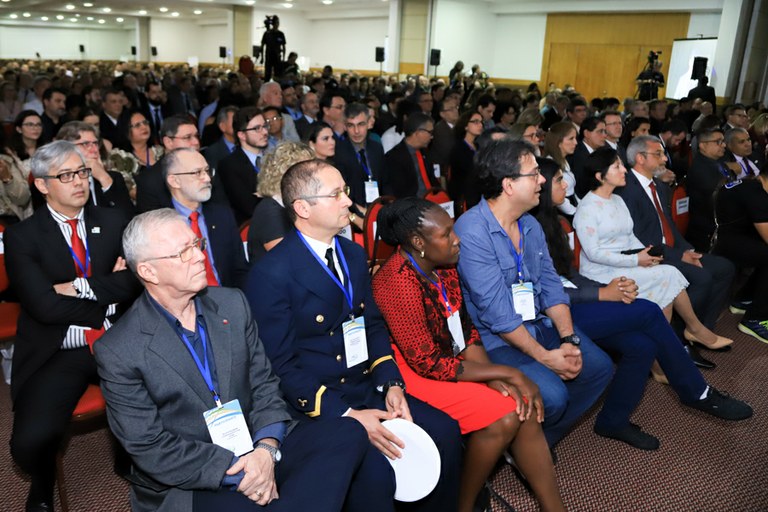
(65, 264)
(189, 181)
(327, 341)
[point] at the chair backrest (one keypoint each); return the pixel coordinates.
(573, 241)
(3, 274)
(244, 227)
(441, 197)
(680, 205)
(375, 249)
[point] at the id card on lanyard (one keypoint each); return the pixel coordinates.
(355, 341)
(371, 185)
(522, 291)
(454, 319)
(226, 422)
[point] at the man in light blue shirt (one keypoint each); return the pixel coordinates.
(514, 295)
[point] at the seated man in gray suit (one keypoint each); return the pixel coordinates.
(193, 399)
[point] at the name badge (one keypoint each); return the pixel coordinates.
(448, 207)
(436, 169)
(355, 343)
(457, 333)
(522, 295)
(227, 427)
(371, 191)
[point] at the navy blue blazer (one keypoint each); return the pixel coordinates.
(647, 225)
(227, 246)
(300, 311)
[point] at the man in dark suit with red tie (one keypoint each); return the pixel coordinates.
(407, 169)
(64, 263)
(649, 203)
(188, 178)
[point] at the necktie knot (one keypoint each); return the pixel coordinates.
(194, 216)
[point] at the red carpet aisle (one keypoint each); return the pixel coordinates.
(703, 465)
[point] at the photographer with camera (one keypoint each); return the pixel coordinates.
(273, 47)
(651, 78)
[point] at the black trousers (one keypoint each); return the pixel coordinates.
(710, 286)
(750, 252)
(42, 413)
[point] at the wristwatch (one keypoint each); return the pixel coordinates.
(572, 339)
(273, 451)
(390, 383)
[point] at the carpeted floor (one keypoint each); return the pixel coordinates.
(703, 464)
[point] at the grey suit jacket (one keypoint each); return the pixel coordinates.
(156, 396)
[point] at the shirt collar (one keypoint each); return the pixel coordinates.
(183, 210)
(61, 218)
(644, 182)
(493, 222)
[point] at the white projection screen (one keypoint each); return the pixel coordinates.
(681, 64)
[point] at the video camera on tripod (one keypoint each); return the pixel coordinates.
(270, 21)
(653, 56)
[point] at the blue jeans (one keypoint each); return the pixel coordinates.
(638, 333)
(564, 401)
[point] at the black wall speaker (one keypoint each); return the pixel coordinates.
(434, 57)
(133, 50)
(82, 48)
(699, 68)
(154, 51)
(256, 50)
(379, 54)
(222, 52)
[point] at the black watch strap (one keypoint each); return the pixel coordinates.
(391, 383)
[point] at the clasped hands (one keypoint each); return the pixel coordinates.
(258, 483)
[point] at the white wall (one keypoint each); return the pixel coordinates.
(63, 43)
(177, 40)
(704, 24)
(505, 45)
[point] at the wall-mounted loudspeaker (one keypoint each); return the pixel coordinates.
(379, 54)
(699, 68)
(82, 48)
(434, 57)
(154, 51)
(222, 52)
(133, 50)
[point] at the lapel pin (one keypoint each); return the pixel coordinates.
(225, 321)
(319, 319)
(96, 230)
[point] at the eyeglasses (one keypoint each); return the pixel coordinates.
(431, 132)
(69, 176)
(139, 124)
(657, 154)
(613, 124)
(719, 142)
(186, 253)
(32, 125)
(532, 136)
(88, 143)
(353, 126)
(338, 107)
(345, 190)
(188, 138)
(273, 119)
(475, 121)
(526, 175)
(256, 128)
(198, 173)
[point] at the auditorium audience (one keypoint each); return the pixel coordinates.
(10, 106)
(560, 143)
(610, 249)
(407, 168)
(739, 150)
(441, 356)
(467, 129)
(26, 137)
(591, 137)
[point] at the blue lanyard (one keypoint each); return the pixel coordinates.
(518, 257)
(205, 369)
(725, 172)
(83, 266)
(439, 284)
(364, 164)
(347, 291)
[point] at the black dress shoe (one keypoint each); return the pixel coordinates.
(698, 360)
(722, 406)
(42, 506)
(632, 435)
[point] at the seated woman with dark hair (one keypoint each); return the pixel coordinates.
(441, 357)
(610, 248)
(617, 321)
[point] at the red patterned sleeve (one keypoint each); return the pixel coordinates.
(401, 299)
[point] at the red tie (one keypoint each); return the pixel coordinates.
(208, 268)
(665, 227)
(423, 170)
(82, 268)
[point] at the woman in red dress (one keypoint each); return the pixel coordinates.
(442, 358)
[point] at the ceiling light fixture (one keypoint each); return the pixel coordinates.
(249, 2)
(163, 9)
(287, 5)
(70, 7)
(175, 14)
(197, 11)
(44, 18)
(87, 4)
(327, 2)
(101, 22)
(120, 20)
(59, 17)
(26, 14)
(73, 20)
(143, 12)
(89, 18)
(106, 9)
(13, 16)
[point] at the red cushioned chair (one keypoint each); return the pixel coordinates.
(437, 195)
(9, 314)
(576, 245)
(680, 205)
(376, 250)
(244, 227)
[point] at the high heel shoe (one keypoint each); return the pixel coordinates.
(658, 374)
(721, 344)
